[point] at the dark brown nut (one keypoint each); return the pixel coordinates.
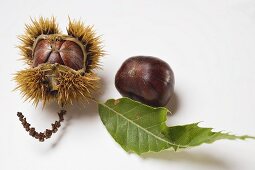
(146, 79)
(68, 52)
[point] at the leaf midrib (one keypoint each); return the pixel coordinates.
(152, 134)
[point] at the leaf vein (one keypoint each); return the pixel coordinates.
(148, 132)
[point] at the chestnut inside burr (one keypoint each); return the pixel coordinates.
(63, 52)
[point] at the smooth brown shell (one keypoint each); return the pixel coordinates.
(63, 52)
(146, 79)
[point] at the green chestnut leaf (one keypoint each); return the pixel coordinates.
(141, 128)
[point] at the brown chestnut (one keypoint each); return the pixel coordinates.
(59, 49)
(147, 79)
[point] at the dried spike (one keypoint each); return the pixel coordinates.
(54, 130)
(19, 114)
(41, 139)
(27, 129)
(32, 132)
(57, 123)
(41, 136)
(36, 135)
(48, 133)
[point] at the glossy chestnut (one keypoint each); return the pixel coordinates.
(63, 50)
(147, 79)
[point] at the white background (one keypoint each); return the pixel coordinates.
(208, 43)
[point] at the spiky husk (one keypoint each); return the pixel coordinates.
(76, 29)
(91, 42)
(72, 86)
(32, 31)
